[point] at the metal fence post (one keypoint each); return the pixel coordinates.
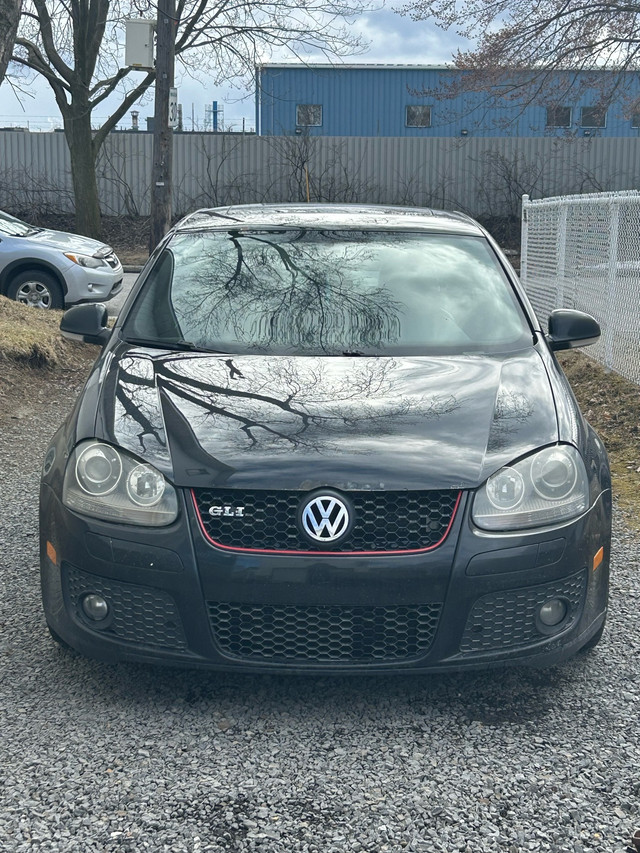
(613, 308)
(524, 241)
(561, 246)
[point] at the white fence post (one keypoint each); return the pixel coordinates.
(561, 243)
(524, 229)
(613, 308)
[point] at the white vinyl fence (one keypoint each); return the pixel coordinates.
(583, 252)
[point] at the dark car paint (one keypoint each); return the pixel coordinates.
(527, 404)
(357, 423)
(207, 572)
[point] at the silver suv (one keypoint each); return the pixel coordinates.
(54, 269)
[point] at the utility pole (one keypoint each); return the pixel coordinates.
(161, 176)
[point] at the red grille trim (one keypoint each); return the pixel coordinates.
(241, 550)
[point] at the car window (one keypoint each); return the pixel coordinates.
(13, 227)
(306, 291)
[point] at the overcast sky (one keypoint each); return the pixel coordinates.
(393, 39)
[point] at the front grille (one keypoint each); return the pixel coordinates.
(323, 634)
(384, 521)
(507, 619)
(138, 614)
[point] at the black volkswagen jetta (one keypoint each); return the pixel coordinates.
(326, 438)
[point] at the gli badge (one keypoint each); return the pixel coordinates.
(226, 511)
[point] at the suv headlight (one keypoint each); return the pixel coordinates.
(109, 483)
(84, 260)
(545, 488)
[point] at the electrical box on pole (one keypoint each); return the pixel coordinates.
(138, 47)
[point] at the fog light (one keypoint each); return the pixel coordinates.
(95, 607)
(552, 612)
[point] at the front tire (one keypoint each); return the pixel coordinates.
(37, 289)
(62, 644)
(593, 642)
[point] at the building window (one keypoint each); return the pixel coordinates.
(558, 116)
(417, 115)
(309, 115)
(593, 117)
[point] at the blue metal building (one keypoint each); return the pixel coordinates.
(408, 101)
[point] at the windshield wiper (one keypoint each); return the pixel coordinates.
(169, 343)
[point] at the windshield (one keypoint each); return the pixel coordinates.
(308, 292)
(13, 227)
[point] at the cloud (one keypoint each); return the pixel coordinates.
(397, 39)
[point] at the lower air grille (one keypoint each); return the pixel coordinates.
(508, 619)
(323, 634)
(383, 521)
(138, 614)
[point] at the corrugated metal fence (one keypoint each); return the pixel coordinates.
(584, 252)
(484, 177)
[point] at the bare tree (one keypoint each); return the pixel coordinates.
(74, 46)
(521, 47)
(9, 17)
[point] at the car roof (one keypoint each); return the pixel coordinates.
(331, 216)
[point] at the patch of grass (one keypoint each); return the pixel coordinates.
(35, 359)
(611, 404)
(31, 337)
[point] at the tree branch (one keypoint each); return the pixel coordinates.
(108, 86)
(128, 101)
(46, 33)
(36, 61)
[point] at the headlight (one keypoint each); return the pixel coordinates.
(84, 260)
(108, 483)
(548, 487)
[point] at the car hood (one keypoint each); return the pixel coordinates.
(353, 423)
(69, 242)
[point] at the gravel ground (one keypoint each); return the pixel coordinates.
(129, 758)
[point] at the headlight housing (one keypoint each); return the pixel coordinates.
(105, 482)
(84, 260)
(547, 487)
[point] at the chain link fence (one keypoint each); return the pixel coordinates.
(583, 251)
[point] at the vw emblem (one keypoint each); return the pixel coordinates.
(325, 518)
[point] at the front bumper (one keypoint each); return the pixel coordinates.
(176, 599)
(92, 285)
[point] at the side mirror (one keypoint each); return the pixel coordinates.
(87, 323)
(568, 329)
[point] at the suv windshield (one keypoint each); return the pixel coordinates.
(307, 292)
(13, 227)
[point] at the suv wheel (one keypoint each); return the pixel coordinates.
(36, 288)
